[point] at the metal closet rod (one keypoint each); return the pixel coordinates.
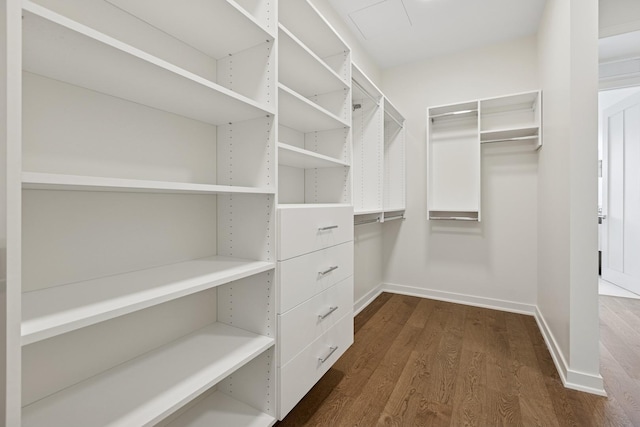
(366, 92)
(368, 221)
(391, 218)
(453, 218)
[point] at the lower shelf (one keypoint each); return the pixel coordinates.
(147, 389)
(222, 410)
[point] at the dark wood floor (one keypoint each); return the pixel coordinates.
(419, 362)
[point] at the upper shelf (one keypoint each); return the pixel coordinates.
(60, 309)
(303, 20)
(297, 112)
(289, 155)
(147, 389)
(521, 101)
(207, 30)
(59, 48)
(50, 181)
(302, 70)
(512, 134)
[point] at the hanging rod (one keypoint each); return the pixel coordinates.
(392, 218)
(453, 113)
(394, 119)
(367, 221)
(452, 218)
(517, 138)
(366, 92)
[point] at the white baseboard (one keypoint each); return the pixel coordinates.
(366, 299)
(571, 379)
(495, 304)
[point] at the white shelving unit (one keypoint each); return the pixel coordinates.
(379, 154)
(147, 209)
(454, 162)
(512, 119)
(315, 216)
(455, 136)
(314, 111)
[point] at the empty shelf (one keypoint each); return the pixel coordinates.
(145, 390)
(297, 112)
(203, 25)
(509, 134)
(302, 70)
(61, 49)
(56, 310)
(367, 211)
(222, 410)
(50, 181)
(289, 155)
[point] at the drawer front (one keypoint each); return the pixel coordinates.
(303, 277)
(307, 229)
(299, 375)
(308, 321)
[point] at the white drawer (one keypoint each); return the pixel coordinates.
(308, 321)
(302, 277)
(300, 374)
(305, 229)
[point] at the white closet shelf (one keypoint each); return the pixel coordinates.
(145, 390)
(50, 181)
(510, 134)
(394, 209)
(290, 155)
(367, 211)
(297, 112)
(61, 49)
(302, 70)
(311, 205)
(304, 20)
(208, 29)
(219, 409)
(59, 309)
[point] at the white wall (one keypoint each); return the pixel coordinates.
(567, 199)
(618, 16)
(491, 263)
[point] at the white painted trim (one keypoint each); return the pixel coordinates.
(366, 299)
(572, 379)
(495, 304)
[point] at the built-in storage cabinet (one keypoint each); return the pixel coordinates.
(315, 310)
(314, 108)
(368, 145)
(456, 134)
(315, 215)
(512, 119)
(454, 162)
(148, 213)
(378, 154)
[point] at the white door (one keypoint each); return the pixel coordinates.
(621, 194)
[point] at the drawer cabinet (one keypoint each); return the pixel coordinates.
(302, 325)
(300, 374)
(305, 276)
(315, 295)
(305, 229)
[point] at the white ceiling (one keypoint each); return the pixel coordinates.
(395, 32)
(619, 47)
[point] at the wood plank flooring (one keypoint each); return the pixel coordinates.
(420, 362)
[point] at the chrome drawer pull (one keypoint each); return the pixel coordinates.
(330, 227)
(331, 310)
(331, 351)
(328, 270)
